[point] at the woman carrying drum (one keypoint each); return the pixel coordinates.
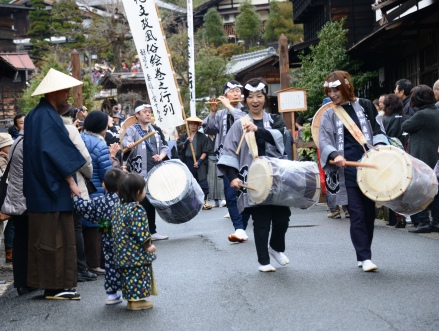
(268, 131)
(338, 144)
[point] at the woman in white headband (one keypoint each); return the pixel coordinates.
(268, 131)
(338, 144)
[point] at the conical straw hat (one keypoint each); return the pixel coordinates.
(194, 119)
(55, 81)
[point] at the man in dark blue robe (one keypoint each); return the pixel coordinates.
(50, 160)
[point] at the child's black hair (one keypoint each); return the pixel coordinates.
(130, 186)
(112, 179)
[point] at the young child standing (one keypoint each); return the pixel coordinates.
(98, 210)
(133, 250)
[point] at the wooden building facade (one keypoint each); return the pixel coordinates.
(395, 38)
(313, 14)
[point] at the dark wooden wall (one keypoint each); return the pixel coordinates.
(360, 17)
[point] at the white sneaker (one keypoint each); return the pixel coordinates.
(266, 268)
(157, 236)
(240, 233)
(223, 203)
(369, 266)
(278, 256)
(227, 215)
(359, 264)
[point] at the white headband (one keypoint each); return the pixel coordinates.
(260, 87)
(335, 84)
(141, 107)
(231, 86)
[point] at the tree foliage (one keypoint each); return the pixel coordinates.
(210, 73)
(213, 28)
(280, 22)
(328, 55)
(107, 35)
(67, 22)
(39, 29)
(28, 102)
(247, 24)
(228, 50)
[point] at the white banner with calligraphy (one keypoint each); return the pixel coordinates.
(191, 56)
(163, 90)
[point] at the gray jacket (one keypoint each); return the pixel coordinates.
(424, 134)
(15, 202)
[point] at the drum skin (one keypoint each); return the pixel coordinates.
(281, 182)
(174, 192)
(400, 182)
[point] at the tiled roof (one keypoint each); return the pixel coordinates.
(21, 61)
(241, 62)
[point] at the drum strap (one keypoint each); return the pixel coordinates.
(349, 123)
(250, 137)
(142, 134)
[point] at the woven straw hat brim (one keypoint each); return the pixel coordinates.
(55, 81)
(194, 119)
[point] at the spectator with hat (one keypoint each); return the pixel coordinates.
(49, 161)
(201, 149)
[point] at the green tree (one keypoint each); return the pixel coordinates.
(39, 29)
(67, 22)
(213, 28)
(247, 24)
(328, 55)
(107, 35)
(228, 50)
(28, 102)
(280, 22)
(210, 73)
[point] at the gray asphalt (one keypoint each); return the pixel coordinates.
(207, 283)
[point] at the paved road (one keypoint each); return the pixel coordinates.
(206, 283)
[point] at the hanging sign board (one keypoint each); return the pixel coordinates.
(291, 99)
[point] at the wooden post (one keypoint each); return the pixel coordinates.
(76, 73)
(284, 67)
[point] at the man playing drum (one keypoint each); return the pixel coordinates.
(143, 157)
(218, 123)
(338, 144)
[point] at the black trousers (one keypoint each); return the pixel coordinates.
(150, 212)
(264, 218)
(19, 247)
(362, 211)
(80, 251)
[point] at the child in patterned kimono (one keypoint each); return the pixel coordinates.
(98, 210)
(133, 250)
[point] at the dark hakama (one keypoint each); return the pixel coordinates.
(52, 251)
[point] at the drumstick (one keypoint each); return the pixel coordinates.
(217, 102)
(138, 142)
(240, 142)
(247, 187)
(357, 164)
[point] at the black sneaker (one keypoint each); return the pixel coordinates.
(86, 276)
(25, 290)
